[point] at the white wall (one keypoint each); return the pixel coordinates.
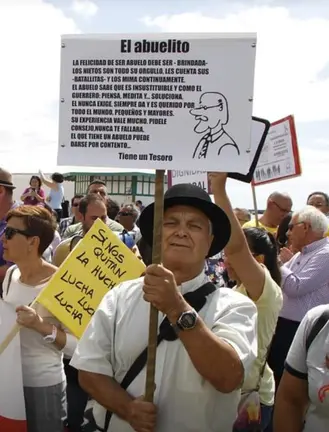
(122, 199)
(21, 181)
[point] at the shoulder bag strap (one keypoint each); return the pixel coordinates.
(10, 276)
(141, 360)
(74, 241)
(316, 328)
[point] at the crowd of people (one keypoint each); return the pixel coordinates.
(243, 339)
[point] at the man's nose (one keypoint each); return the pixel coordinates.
(181, 232)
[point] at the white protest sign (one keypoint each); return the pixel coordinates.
(198, 178)
(259, 131)
(279, 158)
(163, 101)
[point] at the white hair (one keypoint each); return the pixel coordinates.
(318, 221)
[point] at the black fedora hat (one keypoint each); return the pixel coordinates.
(193, 196)
(6, 179)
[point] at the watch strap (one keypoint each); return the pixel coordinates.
(52, 337)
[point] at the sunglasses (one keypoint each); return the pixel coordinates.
(125, 214)
(283, 210)
(10, 232)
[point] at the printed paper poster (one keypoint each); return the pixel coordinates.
(198, 178)
(98, 263)
(279, 158)
(157, 101)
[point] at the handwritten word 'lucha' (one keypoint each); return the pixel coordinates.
(145, 46)
(77, 315)
(111, 249)
(72, 280)
(86, 306)
(102, 276)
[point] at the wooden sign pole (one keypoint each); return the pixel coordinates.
(156, 259)
(254, 198)
(13, 332)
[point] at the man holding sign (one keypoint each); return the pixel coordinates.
(207, 338)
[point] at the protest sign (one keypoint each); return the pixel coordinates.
(279, 158)
(259, 130)
(98, 263)
(198, 178)
(12, 404)
(160, 101)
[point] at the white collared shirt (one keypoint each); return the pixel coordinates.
(311, 366)
(118, 333)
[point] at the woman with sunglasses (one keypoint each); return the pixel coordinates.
(29, 231)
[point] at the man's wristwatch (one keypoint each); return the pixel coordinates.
(52, 337)
(186, 321)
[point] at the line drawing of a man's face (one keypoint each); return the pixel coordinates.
(211, 113)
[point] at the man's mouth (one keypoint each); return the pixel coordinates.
(178, 245)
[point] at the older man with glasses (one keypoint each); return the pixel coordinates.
(305, 280)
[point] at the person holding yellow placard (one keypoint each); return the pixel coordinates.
(29, 231)
(91, 208)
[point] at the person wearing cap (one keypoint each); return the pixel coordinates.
(203, 357)
(6, 203)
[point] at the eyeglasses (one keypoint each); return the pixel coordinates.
(291, 225)
(281, 208)
(75, 205)
(10, 232)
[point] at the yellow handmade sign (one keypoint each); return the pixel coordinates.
(98, 263)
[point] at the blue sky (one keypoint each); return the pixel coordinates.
(292, 70)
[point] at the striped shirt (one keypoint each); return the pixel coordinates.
(305, 280)
(65, 223)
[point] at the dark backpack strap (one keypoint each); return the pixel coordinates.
(139, 364)
(316, 328)
(10, 276)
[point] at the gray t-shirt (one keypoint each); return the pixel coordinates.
(77, 229)
(311, 366)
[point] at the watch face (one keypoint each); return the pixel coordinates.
(188, 320)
